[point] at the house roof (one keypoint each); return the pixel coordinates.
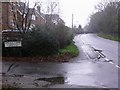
(55, 17)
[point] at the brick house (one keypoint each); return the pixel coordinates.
(54, 19)
(0, 16)
(37, 18)
(6, 14)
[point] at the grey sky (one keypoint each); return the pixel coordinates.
(80, 8)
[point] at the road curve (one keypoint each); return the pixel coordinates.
(109, 48)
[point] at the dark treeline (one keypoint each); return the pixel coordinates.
(105, 20)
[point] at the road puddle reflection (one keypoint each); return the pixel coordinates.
(52, 80)
(89, 51)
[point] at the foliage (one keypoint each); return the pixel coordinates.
(46, 41)
(111, 37)
(105, 20)
(42, 41)
(78, 30)
(70, 49)
(39, 43)
(63, 35)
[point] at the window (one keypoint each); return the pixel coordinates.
(13, 24)
(33, 17)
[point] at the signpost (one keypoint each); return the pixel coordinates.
(13, 44)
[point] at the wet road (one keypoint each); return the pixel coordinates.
(91, 43)
(109, 48)
(84, 70)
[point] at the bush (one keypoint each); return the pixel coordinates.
(11, 51)
(63, 35)
(39, 43)
(71, 49)
(42, 41)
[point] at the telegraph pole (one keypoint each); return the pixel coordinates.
(72, 21)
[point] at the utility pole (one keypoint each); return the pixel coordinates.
(72, 21)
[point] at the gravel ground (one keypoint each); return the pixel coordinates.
(21, 81)
(57, 58)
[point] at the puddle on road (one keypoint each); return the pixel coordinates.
(92, 53)
(53, 80)
(89, 51)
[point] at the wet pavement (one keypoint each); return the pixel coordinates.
(109, 48)
(88, 69)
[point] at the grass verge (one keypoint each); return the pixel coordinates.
(115, 38)
(70, 49)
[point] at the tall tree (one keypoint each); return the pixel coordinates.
(105, 19)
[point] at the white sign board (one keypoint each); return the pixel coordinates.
(13, 44)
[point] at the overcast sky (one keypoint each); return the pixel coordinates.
(81, 9)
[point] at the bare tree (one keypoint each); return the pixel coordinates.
(50, 10)
(22, 21)
(104, 3)
(106, 19)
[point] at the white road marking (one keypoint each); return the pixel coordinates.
(117, 66)
(111, 62)
(106, 59)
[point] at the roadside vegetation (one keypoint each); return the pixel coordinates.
(111, 37)
(46, 43)
(50, 39)
(70, 49)
(105, 19)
